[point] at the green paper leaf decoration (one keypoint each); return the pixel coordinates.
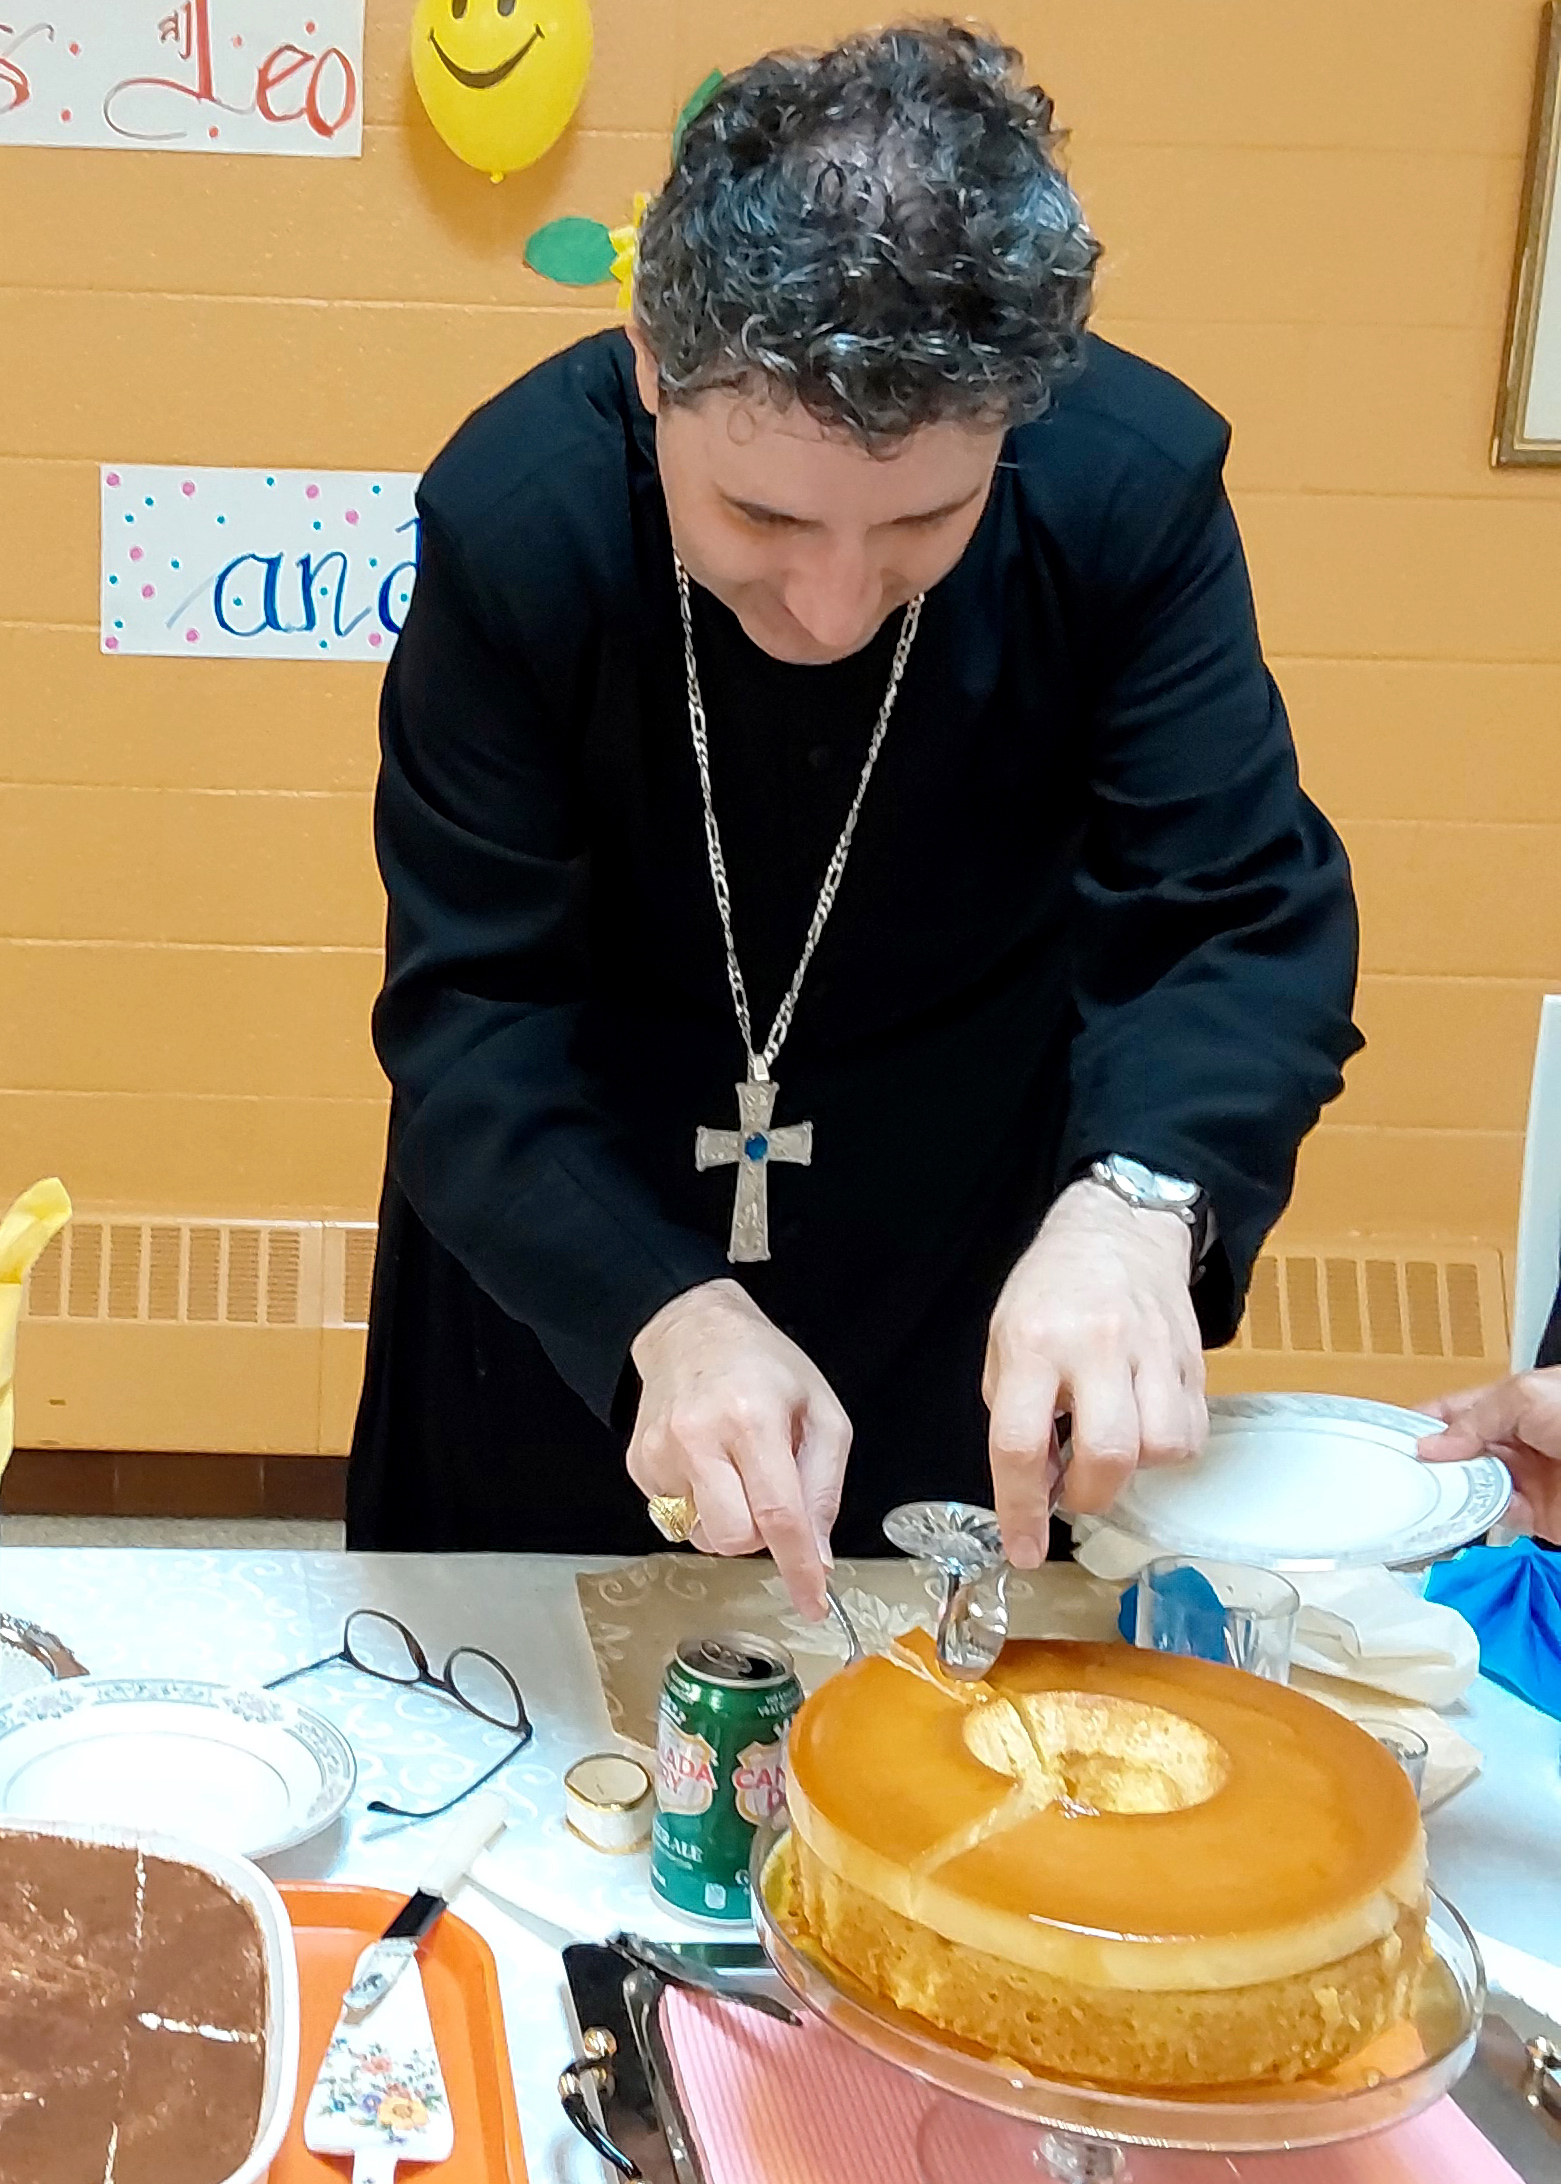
(577, 252)
(695, 105)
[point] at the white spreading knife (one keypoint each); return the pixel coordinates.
(382, 1962)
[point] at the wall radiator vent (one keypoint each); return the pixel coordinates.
(1359, 1301)
(1371, 1300)
(158, 1271)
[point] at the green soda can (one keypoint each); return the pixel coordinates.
(726, 1705)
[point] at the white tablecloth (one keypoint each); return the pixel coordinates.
(245, 1617)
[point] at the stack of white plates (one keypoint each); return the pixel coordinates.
(1312, 1482)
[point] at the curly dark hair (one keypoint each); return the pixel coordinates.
(881, 232)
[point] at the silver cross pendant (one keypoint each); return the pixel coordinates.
(753, 1145)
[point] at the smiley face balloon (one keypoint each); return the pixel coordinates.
(500, 78)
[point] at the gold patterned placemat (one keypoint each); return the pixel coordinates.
(638, 1615)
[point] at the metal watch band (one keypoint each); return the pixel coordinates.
(1188, 1201)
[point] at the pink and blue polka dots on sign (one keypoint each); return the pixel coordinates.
(256, 564)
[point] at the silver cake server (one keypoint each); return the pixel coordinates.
(842, 1615)
(693, 1969)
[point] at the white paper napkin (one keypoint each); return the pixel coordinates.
(1451, 1760)
(1366, 1626)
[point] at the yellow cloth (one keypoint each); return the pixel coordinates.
(35, 1220)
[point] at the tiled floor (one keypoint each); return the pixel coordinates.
(298, 1534)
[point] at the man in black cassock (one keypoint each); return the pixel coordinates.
(853, 518)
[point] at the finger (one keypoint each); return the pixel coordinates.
(1455, 1444)
(1105, 1436)
(1024, 1406)
(1197, 1410)
(1482, 1416)
(726, 1525)
(821, 1469)
(660, 1463)
(767, 1466)
(654, 1463)
(1450, 1407)
(1166, 1413)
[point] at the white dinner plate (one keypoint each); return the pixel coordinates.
(239, 1770)
(1312, 1482)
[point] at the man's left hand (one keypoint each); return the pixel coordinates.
(1095, 1319)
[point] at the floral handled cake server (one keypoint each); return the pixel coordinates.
(380, 2096)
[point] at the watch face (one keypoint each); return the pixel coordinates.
(1157, 1190)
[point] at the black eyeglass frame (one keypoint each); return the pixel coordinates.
(523, 1729)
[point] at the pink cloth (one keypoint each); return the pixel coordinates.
(770, 2105)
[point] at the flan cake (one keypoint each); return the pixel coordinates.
(1108, 1864)
(132, 2017)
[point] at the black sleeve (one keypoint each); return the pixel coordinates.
(1217, 937)
(1549, 1351)
(497, 1140)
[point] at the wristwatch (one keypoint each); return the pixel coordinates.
(1142, 1187)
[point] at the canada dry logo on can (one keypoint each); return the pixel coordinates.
(685, 1769)
(760, 1781)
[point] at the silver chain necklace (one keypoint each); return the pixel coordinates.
(753, 1144)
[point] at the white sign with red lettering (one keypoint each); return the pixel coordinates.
(203, 76)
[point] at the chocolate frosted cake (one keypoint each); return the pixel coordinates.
(132, 2018)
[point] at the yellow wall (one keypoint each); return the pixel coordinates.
(1308, 209)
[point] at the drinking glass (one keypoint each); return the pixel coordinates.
(1218, 1611)
(1407, 1746)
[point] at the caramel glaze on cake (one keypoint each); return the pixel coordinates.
(1108, 1864)
(132, 2018)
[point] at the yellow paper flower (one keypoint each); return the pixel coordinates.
(35, 1219)
(626, 245)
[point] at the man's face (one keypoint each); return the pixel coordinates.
(809, 540)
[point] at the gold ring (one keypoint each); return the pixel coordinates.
(673, 1515)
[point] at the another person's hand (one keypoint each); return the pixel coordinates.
(1518, 1420)
(1095, 1319)
(734, 1416)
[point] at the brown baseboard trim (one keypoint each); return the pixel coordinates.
(68, 1482)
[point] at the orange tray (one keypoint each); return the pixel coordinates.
(332, 1924)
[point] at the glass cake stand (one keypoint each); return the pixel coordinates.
(993, 2120)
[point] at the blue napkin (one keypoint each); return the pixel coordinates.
(1512, 1596)
(1192, 1619)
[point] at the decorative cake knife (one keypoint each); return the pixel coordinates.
(381, 1964)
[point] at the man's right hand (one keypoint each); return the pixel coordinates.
(1518, 1420)
(735, 1416)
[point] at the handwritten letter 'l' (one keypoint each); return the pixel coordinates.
(256, 564)
(197, 76)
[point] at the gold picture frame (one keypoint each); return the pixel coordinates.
(1528, 417)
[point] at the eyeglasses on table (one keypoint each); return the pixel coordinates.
(378, 1645)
